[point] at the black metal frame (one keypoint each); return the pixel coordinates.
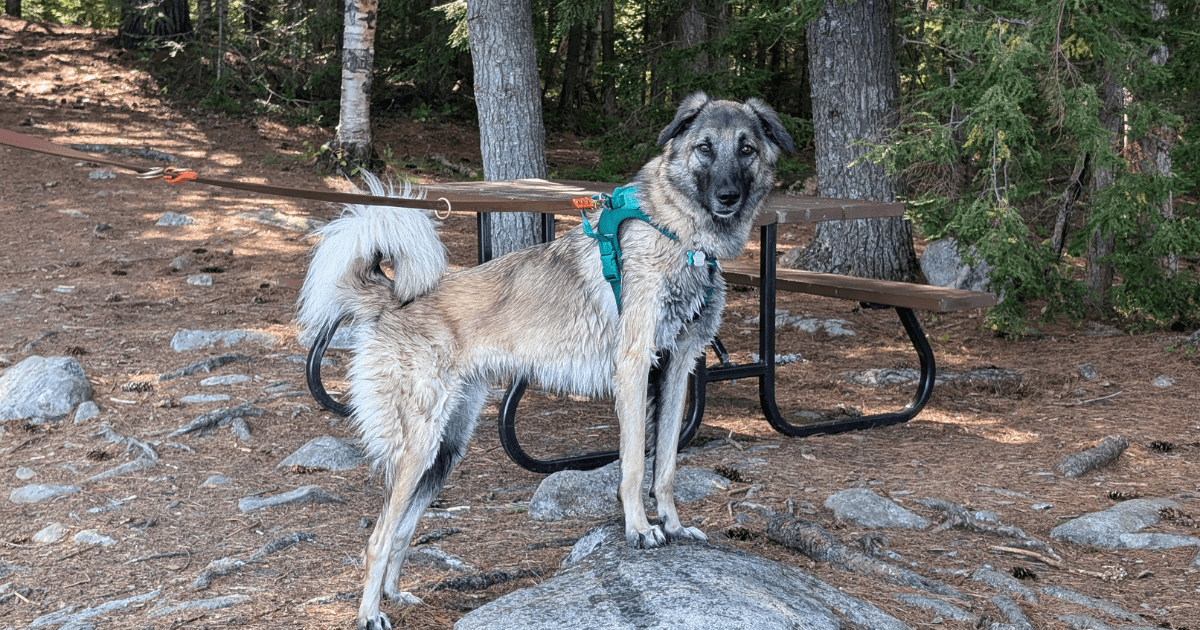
(763, 370)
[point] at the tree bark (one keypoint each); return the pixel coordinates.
(13, 8)
(608, 59)
(507, 95)
(1098, 273)
(855, 98)
(351, 146)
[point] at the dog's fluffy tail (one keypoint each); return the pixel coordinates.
(352, 245)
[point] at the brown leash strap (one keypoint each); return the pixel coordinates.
(175, 176)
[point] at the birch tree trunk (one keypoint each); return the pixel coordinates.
(855, 97)
(351, 146)
(508, 97)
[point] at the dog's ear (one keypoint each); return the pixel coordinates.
(688, 110)
(771, 126)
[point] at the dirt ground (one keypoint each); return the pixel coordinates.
(110, 299)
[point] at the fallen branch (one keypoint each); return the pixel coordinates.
(813, 541)
(1090, 400)
(1103, 454)
(958, 516)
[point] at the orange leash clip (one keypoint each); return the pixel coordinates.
(176, 176)
(583, 203)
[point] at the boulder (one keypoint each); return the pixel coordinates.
(593, 493)
(943, 266)
(699, 586)
(42, 389)
(864, 508)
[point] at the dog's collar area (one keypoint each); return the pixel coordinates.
(621, 206)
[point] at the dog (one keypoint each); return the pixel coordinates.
(430, 343)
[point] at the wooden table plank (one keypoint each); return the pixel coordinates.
(780, 208)
(915, 296)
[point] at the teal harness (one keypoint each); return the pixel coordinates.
(617, 209)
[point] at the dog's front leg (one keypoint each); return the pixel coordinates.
(632, 367)
(671, 398)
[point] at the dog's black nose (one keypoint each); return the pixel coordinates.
(728, 196)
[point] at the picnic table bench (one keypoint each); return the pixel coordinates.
(904, 298)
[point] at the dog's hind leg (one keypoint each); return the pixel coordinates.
(672, 390)
(457, 433)
(418, 468)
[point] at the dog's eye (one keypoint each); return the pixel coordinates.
(703, 148)
(747, 149)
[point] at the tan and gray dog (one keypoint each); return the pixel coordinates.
(431, 343)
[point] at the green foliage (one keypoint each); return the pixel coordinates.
(92, 13)
(1001, 106)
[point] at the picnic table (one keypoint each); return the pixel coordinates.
(904, 298)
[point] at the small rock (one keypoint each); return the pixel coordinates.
(25, 474)
(86, 411)
(200, 280)
(100, 229)
(173, 219)
(227, 379)
(240, 429)
(102, 174)
(197, 399)
(179, 263)
(326, 453)
(185, 340)
(1162, 381)
(49, 534)
(864, 508)
(36, 492)
(216, 481)
(433, 556)
(93, 537)
(304, 494)
(1088, 372)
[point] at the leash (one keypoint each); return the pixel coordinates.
(174, 175)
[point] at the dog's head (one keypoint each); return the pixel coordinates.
(722, 154)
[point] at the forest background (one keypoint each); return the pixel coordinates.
(1057, 141)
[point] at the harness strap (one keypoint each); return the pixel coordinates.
(619, 208)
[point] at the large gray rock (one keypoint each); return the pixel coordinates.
(943, 266)
(605, 584)
(326, 453)
(867, 509)
(1118, 526)
(42, 389)
(593, 493)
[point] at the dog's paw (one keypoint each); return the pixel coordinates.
(647, 539)
(379, 622)
(685, 533)
(402, 598)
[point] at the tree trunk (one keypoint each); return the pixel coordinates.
(855, 98)
(608, 59)
(351, 146)
(568, 98)
(507, 95)
(1098, 273)
(13, 8)
(158, 20)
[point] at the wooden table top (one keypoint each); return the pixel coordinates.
(780, 208)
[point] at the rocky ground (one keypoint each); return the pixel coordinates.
(149, 503)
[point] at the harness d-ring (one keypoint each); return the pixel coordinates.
(449, 209)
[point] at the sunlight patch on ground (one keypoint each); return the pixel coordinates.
(992, 429)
